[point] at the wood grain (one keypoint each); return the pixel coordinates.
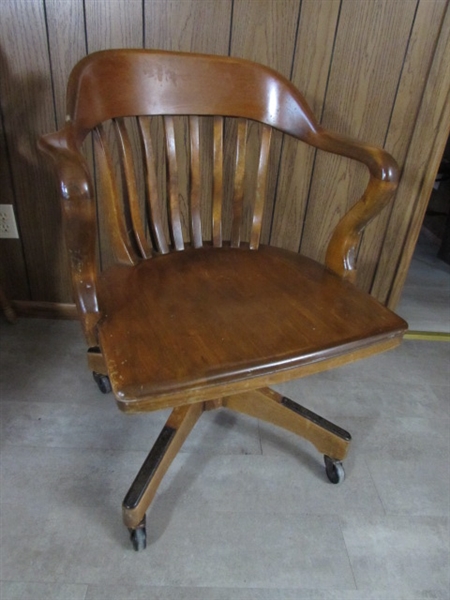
(217, 191)
(129, 191)
(312, 59)
(273, 25)
(114, 24)
(188, 26)
(67, 45)
(265, 31)
(181, 420)
(403, 121)
(208, 26)
(424, 154)
(103, 72)
(357, 105)
(238, 187)
(152, 187)
(13, 276)
(175, 211)
(195, 183)
(194, 346)
(260, 188)
(267, 405)
(27, 108)
(116, 221)
(413, 80)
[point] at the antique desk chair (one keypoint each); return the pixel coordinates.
(195, 312)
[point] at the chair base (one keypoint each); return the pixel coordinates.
(265, 404)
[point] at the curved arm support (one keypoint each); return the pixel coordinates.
(343, 245)
(79, 217)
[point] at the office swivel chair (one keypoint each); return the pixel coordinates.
(195, 312)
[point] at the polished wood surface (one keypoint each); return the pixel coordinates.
(306, 40)
(180, 423)
(175, 84)
(160, 83)
(270, 406)
(198, 317)
(220, 317)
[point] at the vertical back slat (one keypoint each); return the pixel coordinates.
(151, 182)
(174, 206)
(120, 242)
(130, 188)
(239, 174)
(196, 221)
(217, 193)
(261, 187)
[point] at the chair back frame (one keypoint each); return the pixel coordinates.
(118, 84)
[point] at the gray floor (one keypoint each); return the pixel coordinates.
(245, 512)
(425, 301)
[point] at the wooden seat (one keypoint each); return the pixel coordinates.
(197, 311)
(203, 322)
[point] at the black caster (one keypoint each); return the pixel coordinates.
(138, 536)
(104, 385)
(334, 470)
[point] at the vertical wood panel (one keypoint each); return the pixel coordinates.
(404, 117)
(371, 95)
(370, 46)
(67, 43)
(263, 31)
(315, 42)
(424, 154)
(27, 106)
(113, 24)
(13, 276)
(190, 26)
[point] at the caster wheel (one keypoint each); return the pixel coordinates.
(104, 385)
(334, 470)
(139, 538)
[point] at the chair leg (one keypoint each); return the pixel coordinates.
(144, 487)
(267, 405)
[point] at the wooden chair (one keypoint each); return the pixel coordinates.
(196, 313)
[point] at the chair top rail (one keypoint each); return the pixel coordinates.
(128, 82)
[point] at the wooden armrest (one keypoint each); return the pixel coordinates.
(78, 208)
(343, 245)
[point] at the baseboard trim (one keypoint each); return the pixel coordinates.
(44, 310)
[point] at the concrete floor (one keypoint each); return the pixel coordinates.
(245, 512)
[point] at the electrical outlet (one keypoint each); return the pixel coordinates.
(8, 227)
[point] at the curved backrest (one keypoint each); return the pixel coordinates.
(191, 134)
(118, 83)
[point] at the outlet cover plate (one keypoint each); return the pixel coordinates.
(8, 227)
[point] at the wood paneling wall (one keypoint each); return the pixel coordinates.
(373, 69)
